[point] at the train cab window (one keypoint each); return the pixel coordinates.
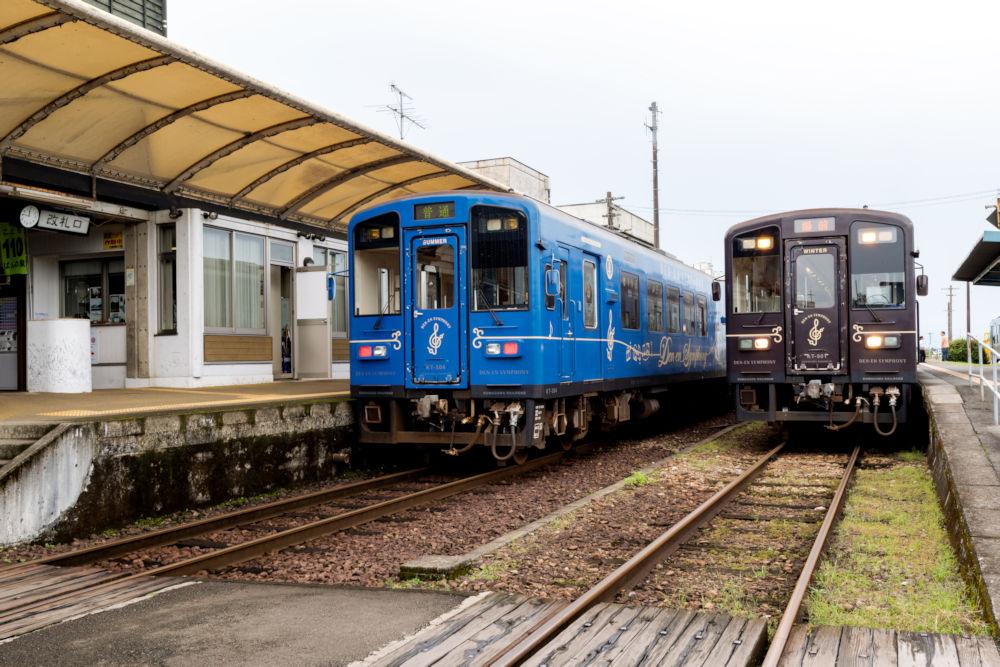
(376, 266)
(435, 276)
(756, 279)
(654, 306)
(630, 300)
(815, 281)
(589, 295)
(878, 266)
(673, 310)
(499, 258)
(701, 317)
(689, 323)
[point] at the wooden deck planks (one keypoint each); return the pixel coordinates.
(855, 647)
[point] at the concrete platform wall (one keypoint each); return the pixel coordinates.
(85, 477)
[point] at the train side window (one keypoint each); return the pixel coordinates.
(756, 279)
(878, 266)
(589, 295)
(630, 300)
(689, 327)
(701, 316)
(673, 310)
(654, 306)
(550, 301)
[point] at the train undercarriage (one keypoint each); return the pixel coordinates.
(510, 427)
(839, 405)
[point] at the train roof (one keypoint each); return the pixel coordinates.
(866, 213)
(489, 194)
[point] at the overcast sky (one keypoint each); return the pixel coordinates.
(767, 106)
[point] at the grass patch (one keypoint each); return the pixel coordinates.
(491, 571)
(890, 564)
(637, 479)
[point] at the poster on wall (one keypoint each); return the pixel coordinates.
(13, 250)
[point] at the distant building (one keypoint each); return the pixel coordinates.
(514, 174)
(150, 14)
(624, 221)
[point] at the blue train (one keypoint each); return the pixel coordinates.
(491, 319)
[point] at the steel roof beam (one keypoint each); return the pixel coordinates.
(231, 148)
(384, 191)
(78, 92)
(34, 25)
(280, 169)
(169, 119)
(343, 177)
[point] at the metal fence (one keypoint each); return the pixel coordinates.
(984, 384)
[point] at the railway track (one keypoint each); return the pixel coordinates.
(39, 592)
(537, 643)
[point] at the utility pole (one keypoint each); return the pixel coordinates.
(402, 110)
(951, 295)
(652, 126)
(609, 202)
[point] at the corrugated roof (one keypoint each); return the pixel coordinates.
(87, 92)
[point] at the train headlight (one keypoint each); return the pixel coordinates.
(879, 342)
(493, 349)
(873, 342)
(765, 243)
(380, 351)
(760, 344)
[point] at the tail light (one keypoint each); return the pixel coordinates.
(510, 348)
(365, 351)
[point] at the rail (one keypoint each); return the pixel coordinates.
(983, 384)
(791, 613)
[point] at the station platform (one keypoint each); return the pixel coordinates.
(964, 453)
(23, 407)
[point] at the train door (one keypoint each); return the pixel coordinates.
(815, 269)
(589, 341)
(564, 315)
(435, 305)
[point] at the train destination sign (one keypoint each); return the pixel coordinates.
(436, 211)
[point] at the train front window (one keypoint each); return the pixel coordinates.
(878, 266)
(756, 280)
(815, 281)
(499, 259)
(376, 266)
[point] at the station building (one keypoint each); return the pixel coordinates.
(166, 221)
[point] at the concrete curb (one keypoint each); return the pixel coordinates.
(968, 489)
(434, 566)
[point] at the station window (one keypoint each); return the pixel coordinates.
(756, 281)
(499, 259)
(689, 324)
(94, 289)
(167, 277)
(701, 317)
(233, 281)
(878, 266)
(376, 266)
(336, 263)
(654, 306)
(673, 310)
(630, 300)
(589, 295)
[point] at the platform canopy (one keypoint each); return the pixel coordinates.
(85, 92)
(982, 266)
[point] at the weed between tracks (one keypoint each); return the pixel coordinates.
(890, 564)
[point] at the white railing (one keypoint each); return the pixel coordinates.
(983, 383)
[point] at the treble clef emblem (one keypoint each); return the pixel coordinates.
(815, 333)
(434, 341)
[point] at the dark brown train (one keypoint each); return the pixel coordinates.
(822, 317)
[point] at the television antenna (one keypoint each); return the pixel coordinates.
(402, 110)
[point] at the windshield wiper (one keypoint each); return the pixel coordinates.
(486, 302)
(385, 309)
(869, 309)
